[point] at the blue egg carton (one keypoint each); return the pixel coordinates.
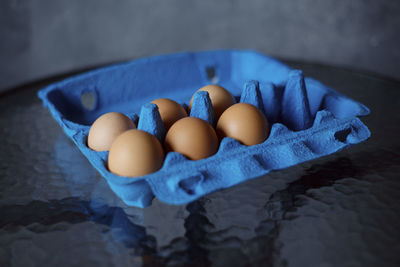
(308, 120)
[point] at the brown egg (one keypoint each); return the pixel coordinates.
(221, 99)
(106, 128)
(135, 153)
(245, 123)
(192, 137)
(170, 111)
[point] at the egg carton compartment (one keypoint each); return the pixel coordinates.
(307, 119)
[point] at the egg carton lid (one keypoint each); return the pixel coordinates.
(308, 119)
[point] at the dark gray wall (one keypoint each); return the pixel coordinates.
(47, 37)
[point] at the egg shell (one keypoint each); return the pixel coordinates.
(170, 111)
(192, 137)
(135, 153)
(245, 123)
(221, 98)
(106, 128)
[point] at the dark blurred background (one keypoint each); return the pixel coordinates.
(48, 37)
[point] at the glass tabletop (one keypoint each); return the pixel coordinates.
(339, 210)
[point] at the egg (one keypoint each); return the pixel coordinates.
(245, 123)
(106, 128)
(170, 111)
(135, 153)
(220, 98)
(193, 137)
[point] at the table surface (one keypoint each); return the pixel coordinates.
(339, 210)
